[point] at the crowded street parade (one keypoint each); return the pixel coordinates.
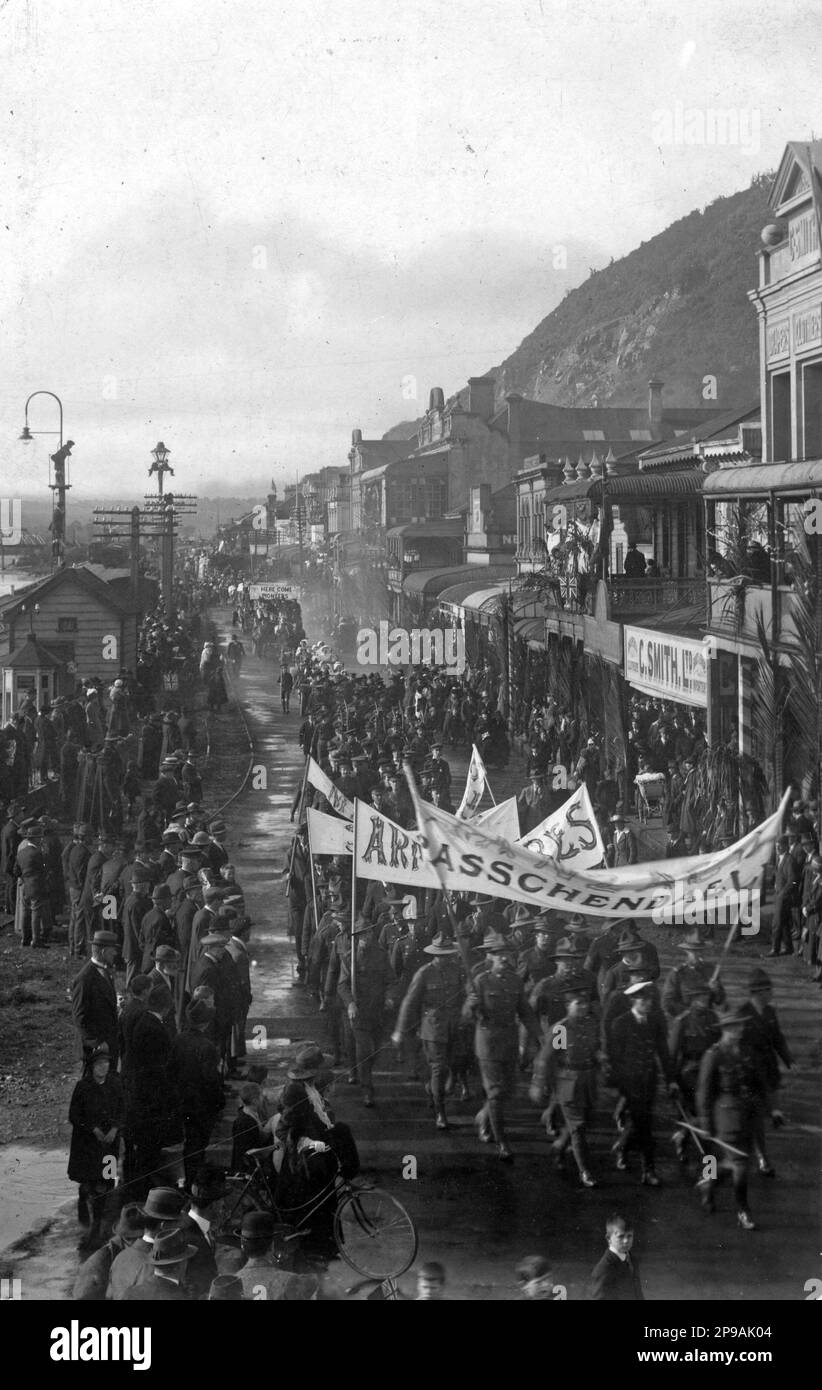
(410, 864)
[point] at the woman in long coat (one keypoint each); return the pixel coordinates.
(96, 1116)
(316, 1146)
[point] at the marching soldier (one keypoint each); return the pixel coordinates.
(567, 1066)
(433, 1004)
(367, 998)
(685, 980)
(693, 1032)
(764, 1039)
(731, 1095)
(496, 1002)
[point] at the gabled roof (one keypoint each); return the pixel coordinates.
(33, 656)
(375, 452)
(807, 156)
(94, 587)
(681, 447)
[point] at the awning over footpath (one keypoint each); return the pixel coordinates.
(430, 583)
(758, 479)
(638, 485)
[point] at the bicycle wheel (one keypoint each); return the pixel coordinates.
(374, 1234)
(238, 1203)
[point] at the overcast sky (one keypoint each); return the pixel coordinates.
(248, 226)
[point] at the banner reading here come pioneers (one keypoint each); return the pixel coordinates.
(466, 858)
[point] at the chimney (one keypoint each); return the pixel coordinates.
(356, 437)
(655, 403)
(481, 396)
(436, 399)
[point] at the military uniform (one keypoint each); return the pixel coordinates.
(497, 1003)
(571, 1072)
(692, 1034)
(731, 1098)
(433, 1005)
(371, 989)
(548, 1000)
(684, 981)
(535, 965)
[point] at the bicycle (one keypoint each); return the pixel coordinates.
(372, 1231)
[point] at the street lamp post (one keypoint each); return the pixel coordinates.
(161, 465)
(60, 486)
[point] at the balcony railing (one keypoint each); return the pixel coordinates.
(631, 596)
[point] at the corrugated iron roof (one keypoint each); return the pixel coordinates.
(656, 484)
(754, 479)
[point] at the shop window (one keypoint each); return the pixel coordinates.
(812, 410)
(780, 416)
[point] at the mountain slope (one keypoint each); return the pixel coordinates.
(676, 308)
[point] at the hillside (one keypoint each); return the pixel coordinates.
(676, 308)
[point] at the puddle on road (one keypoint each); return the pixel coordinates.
(34, 1184)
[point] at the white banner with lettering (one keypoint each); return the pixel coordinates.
(322, 783)
(466, 858)
(275, 591)
(672, 668)
(388, 853)
(569, 835)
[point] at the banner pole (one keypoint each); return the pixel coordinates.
(354, 908)
(299, 819)
(459, 941)
(313, 882)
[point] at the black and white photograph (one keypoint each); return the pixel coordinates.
(411, 663)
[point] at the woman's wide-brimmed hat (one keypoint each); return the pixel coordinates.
(309, 1060)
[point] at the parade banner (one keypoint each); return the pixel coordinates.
(332, 794)
(474, 786)
(569, 835)
(466, 858)
(329, 834)
(275, 591)
(500, 820)
(388, 853)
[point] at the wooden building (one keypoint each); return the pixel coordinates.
(61, 630)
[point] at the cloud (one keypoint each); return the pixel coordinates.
(252, 345)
